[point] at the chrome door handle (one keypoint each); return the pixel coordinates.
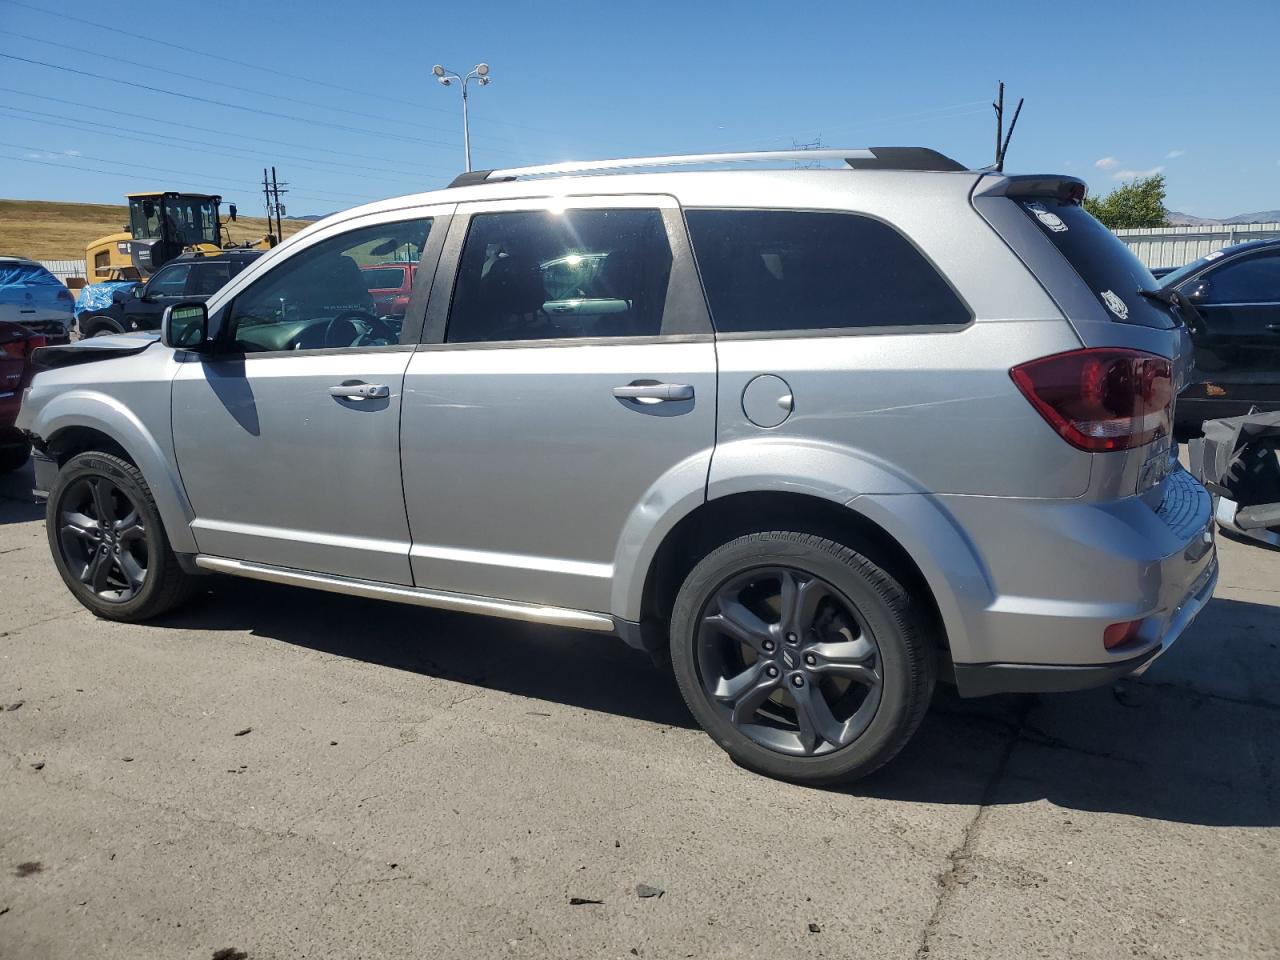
(654, 391)
(360, 391)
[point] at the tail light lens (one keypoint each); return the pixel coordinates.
(21, 349)
(1102, 398)
(66, 295)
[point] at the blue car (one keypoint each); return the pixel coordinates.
(32, 296)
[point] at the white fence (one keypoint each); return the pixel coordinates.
(1174, 246)
(65, 268)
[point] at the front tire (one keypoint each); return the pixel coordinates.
(109, 543)
(802, 658)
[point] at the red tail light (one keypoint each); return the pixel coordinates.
(21, 349)
(66, 295)
(1103, 398)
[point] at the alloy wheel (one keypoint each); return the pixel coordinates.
(790, 661)
(103, 538)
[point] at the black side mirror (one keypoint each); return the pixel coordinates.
(231, 212)
(185, 326)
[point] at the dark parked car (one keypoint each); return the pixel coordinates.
(16, 344)
(1236, 292)
(189, 277)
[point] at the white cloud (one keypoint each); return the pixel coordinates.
(1175, 154)
(1136, 174)
(1105, 162)
(72, 153)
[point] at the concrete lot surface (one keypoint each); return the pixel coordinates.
(421, 784)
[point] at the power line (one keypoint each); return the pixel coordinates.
(333, 195)
(129, 176)
(212, 81)
(252, 66)
(209, 130)
(234, 106)
(236, 153)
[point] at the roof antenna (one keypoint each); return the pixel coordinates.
(1002, 139)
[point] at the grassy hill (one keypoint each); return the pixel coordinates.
(46, 230)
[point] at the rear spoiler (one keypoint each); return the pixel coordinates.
(1039, 185)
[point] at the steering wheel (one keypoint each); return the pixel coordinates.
(346, 328)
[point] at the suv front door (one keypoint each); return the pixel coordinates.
(288, 436)
(165, 287)
(567, 386)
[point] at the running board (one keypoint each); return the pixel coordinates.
(441, 600)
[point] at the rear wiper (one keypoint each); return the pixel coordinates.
(1183, 310)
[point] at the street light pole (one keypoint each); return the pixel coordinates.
(479, 72)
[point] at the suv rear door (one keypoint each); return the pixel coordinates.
(567, 385)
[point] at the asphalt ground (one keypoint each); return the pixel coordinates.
(289, 774)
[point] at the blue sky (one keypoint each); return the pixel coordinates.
(1113, 89)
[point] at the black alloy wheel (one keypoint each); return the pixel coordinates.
(789, 661)
(103, 538)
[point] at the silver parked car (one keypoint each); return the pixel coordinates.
(821, 436)
(34, 297)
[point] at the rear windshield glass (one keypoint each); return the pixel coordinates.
(384, 278)
(26, 274)
(1106, 265)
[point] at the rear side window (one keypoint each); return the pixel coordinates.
(1104, 263)
(790, 270)
(207, 278)
(580, 273)
(26, 274)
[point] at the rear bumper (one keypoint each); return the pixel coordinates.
(985, 679)
(1061, 572)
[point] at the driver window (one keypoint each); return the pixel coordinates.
(326, 296)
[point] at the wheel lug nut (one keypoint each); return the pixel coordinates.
(810, 659)
(771, 671)
(769, 646)
(797, 681)
(792, 638)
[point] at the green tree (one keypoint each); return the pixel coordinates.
(1136, 204)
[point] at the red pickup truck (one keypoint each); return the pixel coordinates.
(16, 344)
(390, 284)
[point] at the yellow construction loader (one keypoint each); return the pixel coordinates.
(163, 224)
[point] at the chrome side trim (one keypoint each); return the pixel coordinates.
(465, 603)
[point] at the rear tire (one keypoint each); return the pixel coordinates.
(109, 543)
(801, 657)
(100, 327)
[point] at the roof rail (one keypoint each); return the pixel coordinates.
(860, 158)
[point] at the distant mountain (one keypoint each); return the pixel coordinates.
(1264, 216)
(1185, 219)
(311, 216)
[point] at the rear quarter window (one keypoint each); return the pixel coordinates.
(783, 270)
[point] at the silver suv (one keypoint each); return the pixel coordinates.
(822, 437)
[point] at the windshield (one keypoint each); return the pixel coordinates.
(144, 218)
(191, 220)
(1177, 276)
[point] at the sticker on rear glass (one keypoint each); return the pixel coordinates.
(1049, 219)
(1115, 304)
(1213, 256)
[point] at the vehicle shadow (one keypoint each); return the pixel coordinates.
(16, 503)
(1177, 744)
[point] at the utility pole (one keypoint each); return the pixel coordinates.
(271, 190)
(275, 188)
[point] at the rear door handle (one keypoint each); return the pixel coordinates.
(654, 391)
(357, 390)
(1274, 327)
